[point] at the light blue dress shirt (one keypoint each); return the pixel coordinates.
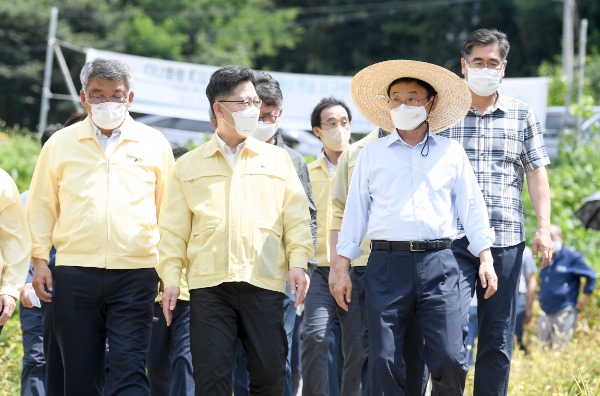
(398, 194)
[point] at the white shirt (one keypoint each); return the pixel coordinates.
(229, 154)
(397, 194)
(108, 143)
(330, 167)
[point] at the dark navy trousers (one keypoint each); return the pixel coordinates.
(93, 304)
(33, 375)
(402, 286)
(170, 357)
(496, 316)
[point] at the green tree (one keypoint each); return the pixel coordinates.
(201, 31)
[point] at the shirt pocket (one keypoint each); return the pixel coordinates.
(512, 146)
(269, 259)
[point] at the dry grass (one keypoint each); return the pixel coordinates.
(574, 372)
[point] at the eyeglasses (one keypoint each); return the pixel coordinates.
(245, 102)
(268, 119)
(97, 99)
(333, 124)
(492, 64)
(395, 102)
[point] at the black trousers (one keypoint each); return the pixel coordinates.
(231, 310)
(55, 374)
(93, 304)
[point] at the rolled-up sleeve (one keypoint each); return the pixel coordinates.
(472, 209)
(356, 211)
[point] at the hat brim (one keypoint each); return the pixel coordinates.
(369, 92)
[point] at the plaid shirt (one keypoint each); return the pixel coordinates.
(502, 145)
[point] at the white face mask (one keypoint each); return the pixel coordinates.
(245, 120)
(336, 139)
(108, 115)
(484, 82)
(407, 118)
(264, 131)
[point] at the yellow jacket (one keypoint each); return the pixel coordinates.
(341, 185)
(97, 211)
(15, 243)
(249, 223)
(321, 188)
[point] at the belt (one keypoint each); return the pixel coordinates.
(412, 246)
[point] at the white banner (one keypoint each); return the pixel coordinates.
(178, 89)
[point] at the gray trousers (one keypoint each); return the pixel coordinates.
(320, 310)
(557, 329)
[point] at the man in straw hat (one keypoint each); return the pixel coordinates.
(406, 193)
(504, 143)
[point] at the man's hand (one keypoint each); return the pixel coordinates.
(528, 316)
(487, 274)
(340, 284)
(42, 279)
(169, 301)
(582, 302)
(299, 282)
(24, 295)
(7, 307)
(542, 243)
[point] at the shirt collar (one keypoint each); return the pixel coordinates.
(128, 129)
(395, 136)
(225, 148)
(116, 133)
(502, 103)
(217, 144)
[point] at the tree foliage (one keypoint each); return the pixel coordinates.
(306, 36)
(573, 176)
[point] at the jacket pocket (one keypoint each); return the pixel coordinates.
(269, 261)
(201, 260)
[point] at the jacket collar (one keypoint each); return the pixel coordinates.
(211, 147)
(128, 129)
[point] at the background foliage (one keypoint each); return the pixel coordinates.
(336, 37)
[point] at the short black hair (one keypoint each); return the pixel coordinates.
(178, 151)
(268, 89)
(225, 80)
(424, 84)
(49, 131)
(485, 37)
(315, 118)
(75, 117)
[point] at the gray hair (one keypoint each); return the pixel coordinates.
(106, 69)
(485, 37)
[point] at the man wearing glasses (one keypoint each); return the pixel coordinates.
(236, 216)
(269, 92)
(95, 195)
(330, 121)
(504, 142)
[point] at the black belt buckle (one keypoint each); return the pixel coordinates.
(413, 249)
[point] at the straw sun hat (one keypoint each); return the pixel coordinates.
(369, 92)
